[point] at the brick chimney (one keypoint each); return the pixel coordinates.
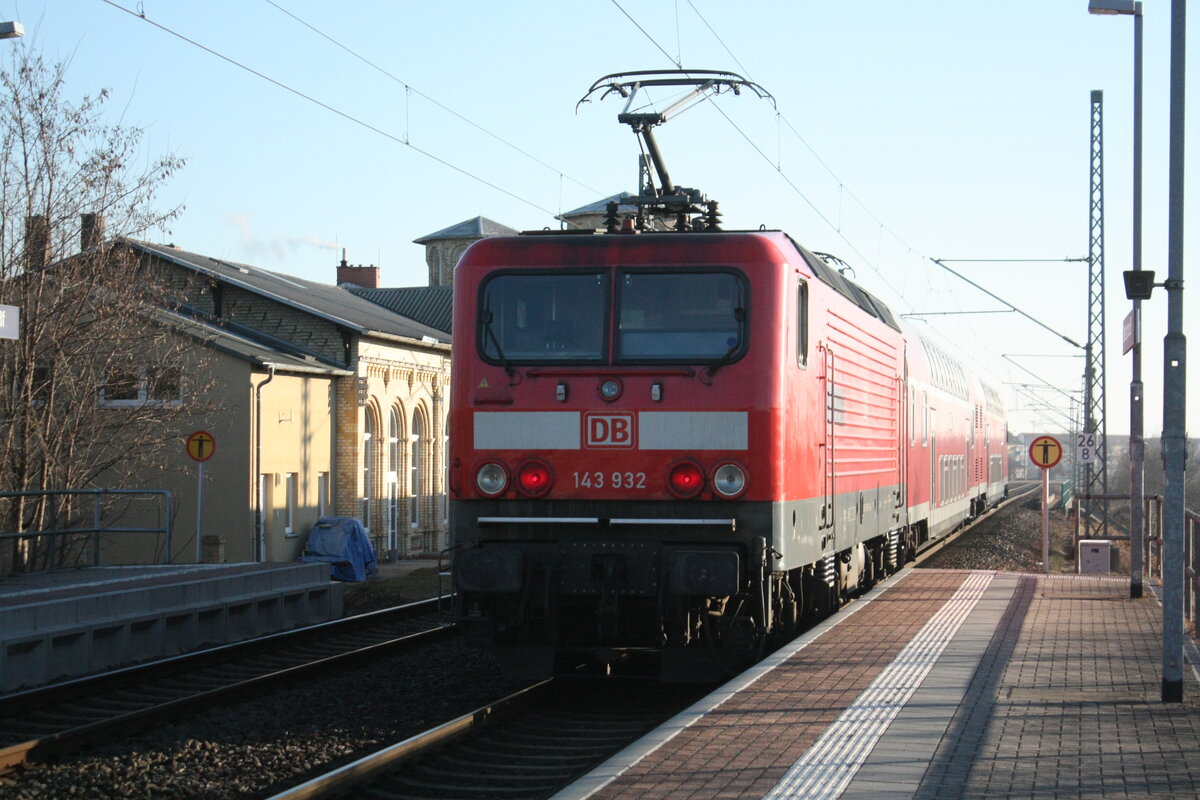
(37, 242)
(366, 277)
(91, 231)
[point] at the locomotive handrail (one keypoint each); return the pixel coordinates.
(538, 372)
(731, 522)
(538, 520)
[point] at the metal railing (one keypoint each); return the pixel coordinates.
(69, 533)
(1152, 537)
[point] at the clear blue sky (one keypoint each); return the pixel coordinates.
(930, 128)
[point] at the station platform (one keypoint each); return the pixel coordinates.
(66, 623)
(939, 684)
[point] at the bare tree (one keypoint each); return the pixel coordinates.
(86, 390)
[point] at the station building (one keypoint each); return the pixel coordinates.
(320, 399)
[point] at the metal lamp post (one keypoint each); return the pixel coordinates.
(1137, 444)
(1174, 435)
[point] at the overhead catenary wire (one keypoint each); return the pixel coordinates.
(410, 89)
(844, 190)
(345, 115)
(637, 25)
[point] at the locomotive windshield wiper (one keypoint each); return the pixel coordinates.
(485, 318)
(739, 314)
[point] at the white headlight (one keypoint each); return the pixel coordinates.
(491, 479)
(610, 389)
(728, 480)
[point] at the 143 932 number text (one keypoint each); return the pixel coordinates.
(609, 480)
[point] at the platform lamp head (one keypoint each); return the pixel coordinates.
(1114, 6)
(1139, 283)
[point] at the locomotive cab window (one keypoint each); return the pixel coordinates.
(555, 317)
(671, 317)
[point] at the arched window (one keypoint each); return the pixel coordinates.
(416, 437)
(395, 457)
(368, 461)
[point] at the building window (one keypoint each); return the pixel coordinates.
(289, 490)
(395, 456)
(367, 471)
(134, 387)
(415, 438)
(322, 494)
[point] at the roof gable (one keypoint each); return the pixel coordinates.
(601, 206)
(475, 228)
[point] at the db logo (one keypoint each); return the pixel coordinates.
(608, 430)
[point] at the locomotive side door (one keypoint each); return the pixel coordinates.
(827, 470)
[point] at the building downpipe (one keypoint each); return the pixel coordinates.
(260, 528)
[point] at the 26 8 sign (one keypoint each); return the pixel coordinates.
(1087, 447)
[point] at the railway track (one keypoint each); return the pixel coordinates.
(527, 745)
(48, 721)
(1017, 491)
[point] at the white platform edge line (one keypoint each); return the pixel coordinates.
(629, 757)
(828, 766)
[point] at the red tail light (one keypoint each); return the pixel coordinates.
(686, 479)
(534, 478)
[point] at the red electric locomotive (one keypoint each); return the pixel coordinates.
(681, 444)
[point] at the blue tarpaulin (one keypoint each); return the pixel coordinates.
(343, 543)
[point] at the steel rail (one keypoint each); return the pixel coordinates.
(122, 700)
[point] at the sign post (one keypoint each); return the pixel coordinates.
(200, 448)
(1045, 452)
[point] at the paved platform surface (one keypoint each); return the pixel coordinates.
(941, 684)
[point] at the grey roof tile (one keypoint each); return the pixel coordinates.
(332, 303)
(429, 305)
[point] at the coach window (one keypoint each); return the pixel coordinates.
(802, 323)
(924, 418)
(912, 416)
